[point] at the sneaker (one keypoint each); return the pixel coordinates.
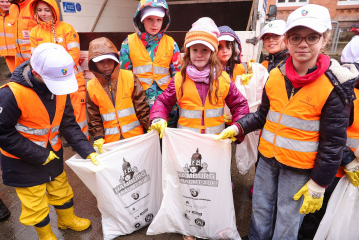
(4, 211)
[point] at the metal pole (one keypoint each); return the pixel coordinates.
(99, 15)
(335, 35)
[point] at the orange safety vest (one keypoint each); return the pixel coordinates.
(191, 110)
(239, 69)
(7, 40)
(122, 117)
(34, 122)
(22, 24)
(144, 68)
(352, 132)
(265, 63)
(291, 132)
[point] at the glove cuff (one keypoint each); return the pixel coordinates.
(352, 166)
(315, 190)
(235, 128)
(157, 120)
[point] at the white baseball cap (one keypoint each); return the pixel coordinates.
(351, 51)
(207, 44)
(226, 38)
(152, 11)
(56, 67)
(106, 56)
(311, 16)
(276, 27)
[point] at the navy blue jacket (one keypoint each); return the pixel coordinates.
(334, 122)
(28, 170)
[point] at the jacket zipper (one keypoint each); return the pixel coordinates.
(113, 102)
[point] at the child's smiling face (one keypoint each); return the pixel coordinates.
(273, 43)
(199, 55)
(153, 24)
(224, 52)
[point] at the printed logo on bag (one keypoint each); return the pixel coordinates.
(149, 217)
(194, 192)
(137, 225)
(131, 179)
(186, 216)
(135, 195)
(199, 222)
(197, 173)
(304, 12)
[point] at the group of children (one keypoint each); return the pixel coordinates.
(307, 103)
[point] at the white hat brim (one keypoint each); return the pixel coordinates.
(105, 56)
(226, 38)
(153, 13)
(309, 24)
(273, 31)
(62, 87)
(207, 44)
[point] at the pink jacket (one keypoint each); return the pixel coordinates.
(234, 100)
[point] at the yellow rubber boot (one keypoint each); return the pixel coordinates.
(66, 218)
(45, 233)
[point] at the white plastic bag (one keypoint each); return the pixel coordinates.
(126, 183)
(341, 219)
(197, 187)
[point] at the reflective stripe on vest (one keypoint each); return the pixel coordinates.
(291, 132)
(73, 45)
(9, 35)
(22, 41)
(147, 70)
(352, 143)
(24, 55)
(119, 119)
(83, 124)
(191, 109)
(35, 124)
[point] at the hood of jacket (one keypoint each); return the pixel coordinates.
(139, 27)
(98, 47)
(21, 75)
(55, 11)
(225, 30)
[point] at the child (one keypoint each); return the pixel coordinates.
(229, 52)
(50, 29)
(305, 114)
(148, 46)
(115, 101)
(273, 36)
(197, 86)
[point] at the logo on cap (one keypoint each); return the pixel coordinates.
(64, 71)
(304, 12)
(270, 25)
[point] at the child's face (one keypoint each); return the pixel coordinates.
(273, 43)
(153, 24)
(302, 52)
(199, 55)
(105, 66)
(44, 11)
(224, 52)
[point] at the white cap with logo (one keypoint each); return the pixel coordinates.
(152, 11)
(56, 67)
(311, 16)
(275, 27)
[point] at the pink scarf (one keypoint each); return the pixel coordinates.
(322, 64)
(196, 75)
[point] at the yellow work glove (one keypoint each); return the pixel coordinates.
(98, 143)
(246, 78)
(93, 157)
(229, 132)
(352, 171)
(159, 125)
(51, 157)
(227, 119)
(313, 197)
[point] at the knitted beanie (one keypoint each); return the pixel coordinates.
(204, 29)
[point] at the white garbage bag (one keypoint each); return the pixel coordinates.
(197, 187)
(126, 183)
(341, 218)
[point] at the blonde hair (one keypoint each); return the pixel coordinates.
(52, 24)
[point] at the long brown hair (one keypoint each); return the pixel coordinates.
(52, 21)
(214, 73)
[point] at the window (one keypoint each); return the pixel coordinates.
(348, 2)
(289, 3)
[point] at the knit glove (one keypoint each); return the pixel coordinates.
(98, 143)
(313, 197)
(93, 157)
(229, 132)
(159, 124)
(51, 157)
(352, 171)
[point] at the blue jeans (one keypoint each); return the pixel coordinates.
(275, 212)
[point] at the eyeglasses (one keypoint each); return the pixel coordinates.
(267, 38)
(311, 39)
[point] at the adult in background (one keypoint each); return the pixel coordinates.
(36, 109)
(7, 40)
(50, 29)
(22, 23)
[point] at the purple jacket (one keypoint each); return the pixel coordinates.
(236, 102)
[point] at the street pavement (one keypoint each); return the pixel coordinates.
(86, 205)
